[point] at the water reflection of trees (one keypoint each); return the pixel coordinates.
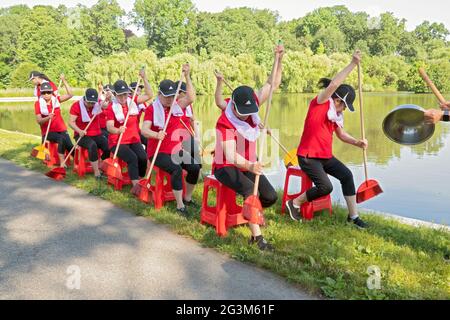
(287, 115)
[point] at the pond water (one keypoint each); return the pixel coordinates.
(415, 180)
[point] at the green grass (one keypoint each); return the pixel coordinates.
(325, 257)
(29, 92)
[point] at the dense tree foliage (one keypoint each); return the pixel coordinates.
(92, 44)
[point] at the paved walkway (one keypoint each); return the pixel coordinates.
(51, 232)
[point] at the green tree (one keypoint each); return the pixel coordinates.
(169, 25)
(100, 25)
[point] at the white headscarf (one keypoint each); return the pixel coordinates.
(43, 105)
(246, 130)
(118, 111)
(84, 114)
(159, 117)
(334, 116)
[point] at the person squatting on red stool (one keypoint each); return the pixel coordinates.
(130, 149)
(92, 139)
(47, 107)
(237, 129)
(315, 156)
(171, 158)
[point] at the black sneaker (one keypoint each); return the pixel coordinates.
(190, 203)
(262, 243)
(358, 222)
(183, 212)
(293, 211)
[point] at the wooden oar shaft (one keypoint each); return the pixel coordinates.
(149, 173)
(225, 81)
(76, 143)
(188, 128)
(266, 118)
(363, 131)
(430, 84)
(126, 120)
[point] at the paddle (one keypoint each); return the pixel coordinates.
(60, 173)
(111, 166)
(430, 84)
(142, 189)
(41, 152)
(291, 156)
(252, 209)
(369, 188)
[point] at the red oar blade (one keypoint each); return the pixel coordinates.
(253, 211)
(368, 190)
(142, 191)
(57, 173)
(112, 168)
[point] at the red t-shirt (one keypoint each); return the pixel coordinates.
(225, 131)
(175, 134)
(94, 128)
(317, 137)
(131, 134)
(57, 124)
(54, 87)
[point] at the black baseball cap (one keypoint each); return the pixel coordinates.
(183, 86)
(134, 84)
(91, 95)
(244, 100)
(34, 74)
(121, 87)
(46, 87)
(168, 88)
(107, 87)
(347, 94)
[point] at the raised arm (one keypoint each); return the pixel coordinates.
(326, 94)
(220, 102)
(190, 96)
(69, 93)
(148, 94)
(263, 93)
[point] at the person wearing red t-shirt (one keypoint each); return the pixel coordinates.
(235, 163)
(190, 142)
(92, 139)
(105, 99)
(315, 155)
(130, 149)
(49, 107)
(171, 157)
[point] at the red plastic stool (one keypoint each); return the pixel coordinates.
(226, 213)
(81, 163)
(118, 183)
(162, 187)
(308, 208)
(53, 160)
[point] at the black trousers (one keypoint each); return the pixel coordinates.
(92, 144)
(144, 141)
(193, 148)
(135, 157)
(62, 139)
(318, 171)
(105, 133)
(243, 183)
(174, 165)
